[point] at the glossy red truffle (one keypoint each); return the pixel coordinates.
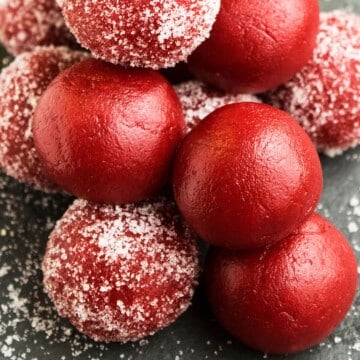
(140, 33)
(199, 100)
(324, 97)
(21, 85)
(120, 273)
(257, 45)
(246, 176)
(25, 24)
(106, 133)
(288, 297)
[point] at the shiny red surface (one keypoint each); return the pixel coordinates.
(246, 176)
(106, 133)
(287, 297)
(256, 45)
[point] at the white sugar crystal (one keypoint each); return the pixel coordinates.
(354, 201)
(353, 227)
(4, 270)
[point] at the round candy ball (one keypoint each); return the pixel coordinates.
(287, 297)
(107, 133)
(21, 85)
(25, 24)
(199, 100)
(324, 97)
(257, 45)
(120, 273)
(151, 34)
(246, 176)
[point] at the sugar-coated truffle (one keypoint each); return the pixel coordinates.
(153, 34)
(25, 24)
(257, 45)
(199, 100)
(246, 176)
(21, 84)
(287, 297)
(107, 133)
(120, 273)
(324, 97)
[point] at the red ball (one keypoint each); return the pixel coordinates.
(21, 85)
(120, 273)
(257, 45)
(141, 33)
(106, 133)
(288, 297)
(246, 176)
(25, 24)
(324, 96)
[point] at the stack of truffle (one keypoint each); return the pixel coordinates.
(108, 128)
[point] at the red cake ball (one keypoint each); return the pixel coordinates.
(288, 297)
(120, 273)
(108, 134)
(257, 45)
(152, 34)
(246, 176)
(199, 100)
(25, 24)
(21, 85)
(324, 97)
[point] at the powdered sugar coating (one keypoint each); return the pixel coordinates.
(154, 34)
(324, 97)
(199, 100)
(25, 24)
(120, 273)
(21, 85)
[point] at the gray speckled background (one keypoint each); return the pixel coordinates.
(31, 329)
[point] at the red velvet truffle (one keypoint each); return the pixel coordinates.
(288, 297)
(106, 133)
(257, 45)
(325, 95)
(199, 100)
(21, 85)
(153, 34)
(25, 24)
(120, 273)
(246, 176)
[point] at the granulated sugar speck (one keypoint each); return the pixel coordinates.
(353, 227)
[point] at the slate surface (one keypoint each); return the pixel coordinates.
(31, 329)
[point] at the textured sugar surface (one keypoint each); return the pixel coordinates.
(136, 273)
(25, 24)
(325, 95)
(21, 85)
(198, 101)
(154, 34)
